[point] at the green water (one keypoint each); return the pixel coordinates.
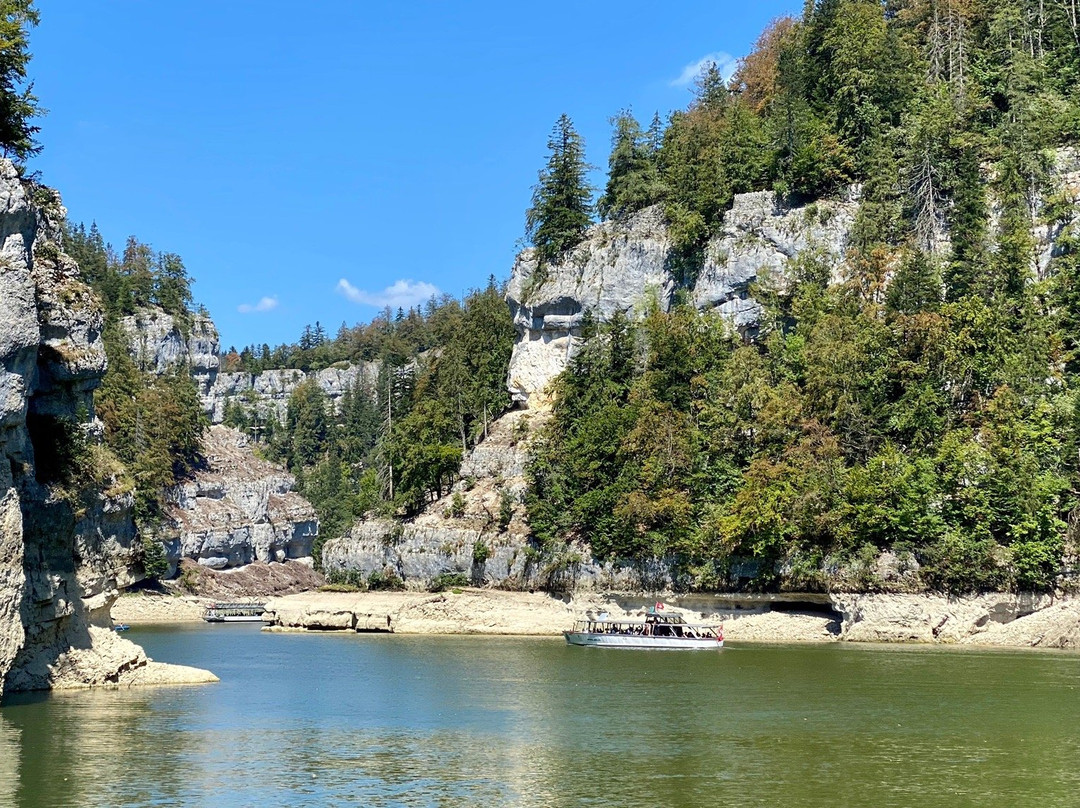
(323, 720)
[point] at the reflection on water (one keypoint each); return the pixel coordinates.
(9, 762)
(434, 721)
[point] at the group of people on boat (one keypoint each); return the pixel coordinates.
(650, 629)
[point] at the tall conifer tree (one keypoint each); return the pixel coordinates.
(561, 203)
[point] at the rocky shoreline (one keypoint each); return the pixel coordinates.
(998, 620)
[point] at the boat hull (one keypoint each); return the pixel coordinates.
(591, 640)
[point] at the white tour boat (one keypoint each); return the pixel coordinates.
(660, 629)
(234, 613)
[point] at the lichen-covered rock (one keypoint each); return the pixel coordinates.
(619, 267)
(758, 238)
(626, 267)
(237, 509)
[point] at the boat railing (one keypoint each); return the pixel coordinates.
(653, 629)
(234, 609)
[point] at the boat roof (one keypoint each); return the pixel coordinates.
(651, 616)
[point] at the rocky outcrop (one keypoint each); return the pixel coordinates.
(238, 509)
(995, 619)
(160, 342)
(629, 266)
(625, 267)
(267, 393)
(477, 530)
(989, 619)
(66, 546)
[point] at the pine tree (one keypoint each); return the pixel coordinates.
(633, 177)
(561, 202)
(18, 104)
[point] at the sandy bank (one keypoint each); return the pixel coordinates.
(480, 611)
(1005, 619)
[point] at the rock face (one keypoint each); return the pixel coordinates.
(624, 267)
(238, 509)
(475, 540)
(628, 266)
(467, 533)
(268, 392)
(159, 343)
(990, 619)
(63, 555)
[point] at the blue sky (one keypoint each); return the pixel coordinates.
(315, 162)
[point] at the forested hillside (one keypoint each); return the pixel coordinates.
(921, 398)
(153, 421)
(396, 440)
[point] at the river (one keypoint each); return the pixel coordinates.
(384, 720)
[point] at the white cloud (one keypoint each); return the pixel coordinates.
(264, 304)
(725, 61)
(403, 294)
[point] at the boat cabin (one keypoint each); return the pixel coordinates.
(656, 624)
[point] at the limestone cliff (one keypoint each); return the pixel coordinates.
(626, 266)
(65, 546)
(622, 267)
(159, 342)
(267, 393)
(237, 509)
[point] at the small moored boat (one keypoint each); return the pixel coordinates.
(660, 629)
(234, 612)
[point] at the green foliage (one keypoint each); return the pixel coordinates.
(480, 552)
(138, 279)
(448, 580)
(155, 566)
(385, 580)
(18, 104)
(457, 505)
(869, 417)
(561, 207)
(633, 171)
(153, 423)
(506, 509)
